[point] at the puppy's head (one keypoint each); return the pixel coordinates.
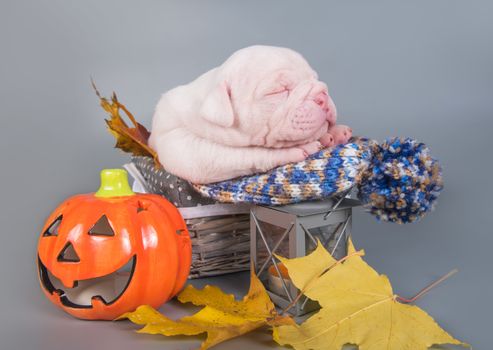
(272, 94)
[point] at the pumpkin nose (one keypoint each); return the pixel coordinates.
(68, 254)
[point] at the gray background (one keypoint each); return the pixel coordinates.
(394, 68)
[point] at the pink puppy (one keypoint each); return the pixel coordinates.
(263, 107)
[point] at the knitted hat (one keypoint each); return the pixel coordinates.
(397, 180)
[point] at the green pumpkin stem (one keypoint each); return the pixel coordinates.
(114, 183)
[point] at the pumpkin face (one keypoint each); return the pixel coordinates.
(103, 254)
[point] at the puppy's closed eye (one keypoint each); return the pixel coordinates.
(281, 91)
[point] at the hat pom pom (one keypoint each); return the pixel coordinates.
(402, 182)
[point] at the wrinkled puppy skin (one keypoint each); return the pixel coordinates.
(262, 108)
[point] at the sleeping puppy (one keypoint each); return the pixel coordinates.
(263, 107)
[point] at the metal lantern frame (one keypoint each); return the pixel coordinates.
(296, 221)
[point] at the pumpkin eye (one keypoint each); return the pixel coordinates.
(54, 227)
(102, 227)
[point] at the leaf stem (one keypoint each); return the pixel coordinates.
(427, 288)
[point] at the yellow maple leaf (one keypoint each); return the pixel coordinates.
(222, 317)
(358, 307)
(129, 139)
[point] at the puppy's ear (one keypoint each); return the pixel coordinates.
(217, 107)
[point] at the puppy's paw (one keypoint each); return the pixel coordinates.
(341, 133)
(327, 140)
(295, 155)
(311, 148)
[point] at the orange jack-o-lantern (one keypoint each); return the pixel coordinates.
(105, 253)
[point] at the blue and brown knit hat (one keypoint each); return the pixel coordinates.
(397, 180)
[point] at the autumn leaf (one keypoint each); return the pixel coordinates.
(358, 307)
(222, 317)
(129, 139)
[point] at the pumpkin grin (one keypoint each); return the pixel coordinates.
(84, 294)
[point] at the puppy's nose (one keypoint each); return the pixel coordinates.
(321, 99)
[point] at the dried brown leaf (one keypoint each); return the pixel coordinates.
(131, 140)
